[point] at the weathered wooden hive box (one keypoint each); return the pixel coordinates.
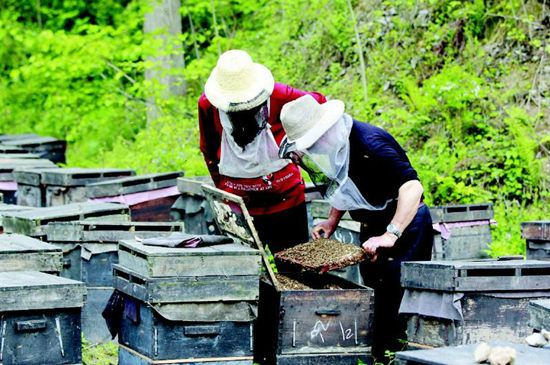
(22, 253)
(90, 251)
(192, 208)
(537, 236)
(8, 185)
(10, 208)
(68, 185)
(30, 190)
(33, 222)
(539, 314)
(347, 231)
(464, 302)
(329, 324)
(40, 318)
(47, 147)
(149, 197)
(462, 232)
(464, 355)
(191, 305)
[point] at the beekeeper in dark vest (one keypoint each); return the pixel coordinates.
(240, 133)
(365, 171)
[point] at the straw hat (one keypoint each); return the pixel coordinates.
(237, 83)
(305, 120)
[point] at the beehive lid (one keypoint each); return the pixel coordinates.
(81, 176)
(32, 222)
(11, 149)
(193, 185)
(34, 141)
(106, 231)
(228, 249)
(17, 243)
(19, 155)
(132, 184)
(462, 213)
(536, 230)
(7, 165)
(14, 137)
(31, 176)
(477, 275)
(32, 290)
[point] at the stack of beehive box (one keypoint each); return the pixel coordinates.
(8, 166)
(537, 237)
(90, 250)
(327, 320)
(46, 147)
(450, 303)
(149, 197)
(187, 305)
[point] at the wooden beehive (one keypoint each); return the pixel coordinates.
(47, 147)
(40, 318)
(33, 222)
(301, 326)
(492, 295)
(537, 237)
(22, 253)
(539, 314)
(150, 196)
(469, 228)
(192, 208)
(30, 190)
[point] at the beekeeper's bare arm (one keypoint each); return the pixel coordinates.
(409, 197)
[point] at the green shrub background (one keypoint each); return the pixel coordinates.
(463, 85)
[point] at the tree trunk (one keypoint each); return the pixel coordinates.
(162, 30)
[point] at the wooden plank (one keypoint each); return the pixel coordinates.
(81, 176)
(133, 184)
(539, 314)
(30, 176)
(31, 290)
(208, 311)
(32, 141)
(8, 165)
(536, 230)
(346, 358)
(185, 289)
(23, 154)
(103, 231)
(464, 355)
(193, 185)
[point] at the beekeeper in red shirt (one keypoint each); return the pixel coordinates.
(240, 133)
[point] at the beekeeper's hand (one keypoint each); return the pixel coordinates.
(371, 245)
(324, 229)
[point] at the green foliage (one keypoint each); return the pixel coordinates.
(104, 354)
(460, 84)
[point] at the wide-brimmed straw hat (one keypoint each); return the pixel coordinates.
(237, 83)
(305, 120)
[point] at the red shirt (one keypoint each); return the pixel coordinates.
(269, 194)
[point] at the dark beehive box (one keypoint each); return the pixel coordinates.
(22, 253)
(192, 208)
(40, 318)
(68, 185)
(150, 197)
(469, 228)
(47, 147)
(490, 297)
(10, 208)
(464, 355)
(33, 222)
(537, 236)
(300, 326)
(90, 249)
(7, 174)
(30, 190)
(539, 314)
